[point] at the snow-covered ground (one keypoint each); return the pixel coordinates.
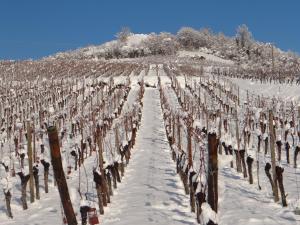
(151, 173)
(151, 192)
(132, 42)
(209, 57)
(242, 203)
(287, 92)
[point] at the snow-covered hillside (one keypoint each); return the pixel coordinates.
(133, 42)
(192, 128)
(204, 54)
(241, 51)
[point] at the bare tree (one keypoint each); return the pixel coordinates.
(123, 34)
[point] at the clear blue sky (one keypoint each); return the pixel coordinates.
(36, 28)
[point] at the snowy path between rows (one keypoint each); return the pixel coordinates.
(151, 192)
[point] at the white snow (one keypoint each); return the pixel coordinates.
(151, 192)
(201, 53)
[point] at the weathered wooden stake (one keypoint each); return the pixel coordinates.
(219, 130)
(178, 133)
(189, 143)
(272, 148)
(59, 176)
(212, 190)
(238, 156)
(104, 186)
(29, 152)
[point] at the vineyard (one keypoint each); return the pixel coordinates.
(147, 142)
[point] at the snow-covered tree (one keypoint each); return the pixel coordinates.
(188, 38)
(244, 36)
(161, 44)
(123, 34)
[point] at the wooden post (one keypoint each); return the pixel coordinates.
(117, 141)
(29, 152)
(34, 147)
(173, 129)
(238, 160)
(190, 162)
(81, 156)
(60, 176)
(178, 133)
(189, 143)
(212, 181)
(272, 148)
(117, 145)
(104, 187)
(220, 130)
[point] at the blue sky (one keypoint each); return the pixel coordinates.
(36, 28)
